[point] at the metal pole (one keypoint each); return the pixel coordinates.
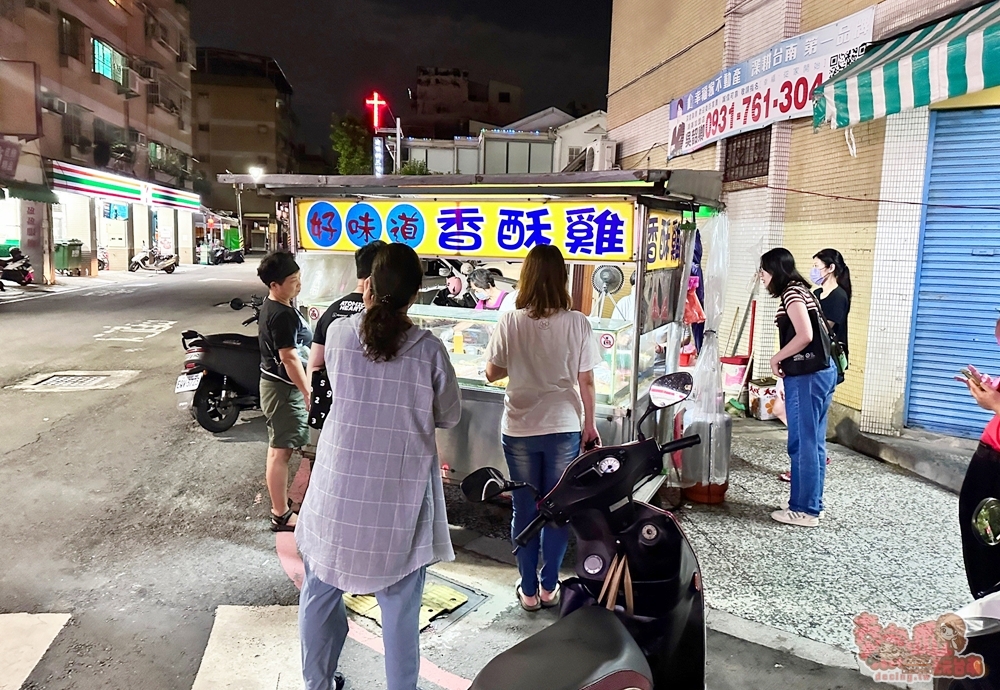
(399, 145)
(239, 211)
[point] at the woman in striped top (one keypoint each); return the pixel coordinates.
(807, 395)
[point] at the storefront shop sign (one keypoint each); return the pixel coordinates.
(32, 219)
(10, 153)
(586, 230)
(663, 241)
(771, 87)
(78, 179)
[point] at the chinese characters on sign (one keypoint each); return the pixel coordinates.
(774, 86)
(663, 241)
(10, 152)
(502, 229)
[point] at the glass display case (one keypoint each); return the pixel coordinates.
(466, 334)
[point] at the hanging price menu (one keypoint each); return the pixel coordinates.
(776, 85)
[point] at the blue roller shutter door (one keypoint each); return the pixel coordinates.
(958, 275)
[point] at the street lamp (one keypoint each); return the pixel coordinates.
(256, 172)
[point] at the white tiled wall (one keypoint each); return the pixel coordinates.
(749, 233)
(893, 280)
(644, 132)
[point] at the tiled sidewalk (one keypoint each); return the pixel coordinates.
(888, 544)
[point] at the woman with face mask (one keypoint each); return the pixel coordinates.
(488, 296)
(833, 277)
(804, 365)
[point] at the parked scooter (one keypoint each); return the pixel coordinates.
(633, 618)
(221, 255)
(221, 373)
(16, 269)
(980, 619)
(153, 260)
(103, 260)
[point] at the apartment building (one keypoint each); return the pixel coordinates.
(110, 160)
(243, 120)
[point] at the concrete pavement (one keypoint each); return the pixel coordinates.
(150, 533)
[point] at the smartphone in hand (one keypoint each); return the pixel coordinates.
(971, 377)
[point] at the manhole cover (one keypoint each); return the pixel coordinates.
(72, 381)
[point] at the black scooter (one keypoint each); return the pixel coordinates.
(16, 269)
(221, 373)
(221, 255)
(975, 629)
(633, 618)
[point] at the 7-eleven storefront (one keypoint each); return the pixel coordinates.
(121, 214)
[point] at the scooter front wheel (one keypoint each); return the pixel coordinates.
(133, 267)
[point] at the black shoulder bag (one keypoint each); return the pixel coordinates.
(816, 355)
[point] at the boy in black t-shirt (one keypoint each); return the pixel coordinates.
(284, 389)
(345, 307)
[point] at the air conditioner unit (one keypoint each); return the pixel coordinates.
(602, 155)
(55, 105)
(137, 138)
(130, 83)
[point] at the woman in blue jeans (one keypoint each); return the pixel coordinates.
(809, 385)
(549, 353)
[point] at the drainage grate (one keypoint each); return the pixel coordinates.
(78, 382)
(73, 381)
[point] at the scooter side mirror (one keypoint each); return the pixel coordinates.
(484, 484)
(670, 389)
(986, 522)
(237, 304)
(666, 391)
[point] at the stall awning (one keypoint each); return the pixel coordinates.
(953, 57)
(29, 192)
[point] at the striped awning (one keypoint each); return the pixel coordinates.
(956, 56)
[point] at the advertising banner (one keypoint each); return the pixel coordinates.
(773, 86)
(587, 230)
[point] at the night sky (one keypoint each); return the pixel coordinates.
(335, 52)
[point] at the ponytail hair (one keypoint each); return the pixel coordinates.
(396, 278)
(835, 260)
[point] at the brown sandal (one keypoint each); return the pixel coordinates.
(280, 523)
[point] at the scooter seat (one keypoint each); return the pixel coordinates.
(589, 649)
(239, 340)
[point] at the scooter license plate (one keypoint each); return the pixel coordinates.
(187, 382)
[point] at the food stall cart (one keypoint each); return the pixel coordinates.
(640, 221)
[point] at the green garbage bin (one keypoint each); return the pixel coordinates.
(74, 257)
(61, 256)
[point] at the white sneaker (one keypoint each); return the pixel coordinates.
(784, 506)
(790, 517)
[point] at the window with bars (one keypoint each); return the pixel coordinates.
(71, 37)
(108, 62)
(748, 155)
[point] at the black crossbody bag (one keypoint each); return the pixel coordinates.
(816, 356)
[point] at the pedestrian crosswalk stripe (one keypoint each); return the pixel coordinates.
(24, 638)
(252, 648)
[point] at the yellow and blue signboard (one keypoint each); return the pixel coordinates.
(587, 230)
(663, 243)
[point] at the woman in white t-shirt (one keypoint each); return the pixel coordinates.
(549, 353)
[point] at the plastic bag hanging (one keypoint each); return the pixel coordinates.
(705, 468)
